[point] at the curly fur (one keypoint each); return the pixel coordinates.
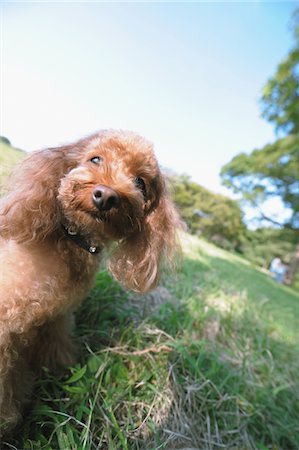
(44, 275)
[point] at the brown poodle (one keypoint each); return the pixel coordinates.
(64, 206)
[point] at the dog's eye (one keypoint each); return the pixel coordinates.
(96, 159)
(140, 184)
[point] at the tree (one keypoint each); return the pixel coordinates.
(280, 99)
(273, 171)
(267, 173)
(4, 140)
(214, 216)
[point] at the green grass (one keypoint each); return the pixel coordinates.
(208, 361)
(9, 157)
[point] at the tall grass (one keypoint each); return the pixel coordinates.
(209, 360)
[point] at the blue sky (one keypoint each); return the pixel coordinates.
(187, 76)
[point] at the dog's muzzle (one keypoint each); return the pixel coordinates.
(105, 198)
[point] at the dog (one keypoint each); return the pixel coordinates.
(63, 207)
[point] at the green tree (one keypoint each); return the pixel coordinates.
(214, 216)
(280, 99)
(273, 171)
(266, 173)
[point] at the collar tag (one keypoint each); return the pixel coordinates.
(72, 234)
(71, 230)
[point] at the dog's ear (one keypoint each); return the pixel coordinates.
(30, 210)
(137, 262)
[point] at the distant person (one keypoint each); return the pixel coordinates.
(278, 269)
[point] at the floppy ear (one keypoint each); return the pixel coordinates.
(30, 210)
(137, 262)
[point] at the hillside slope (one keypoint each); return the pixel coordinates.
(9, 157)
(240, 281)
(208, 360)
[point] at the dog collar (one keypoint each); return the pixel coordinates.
(75, 237)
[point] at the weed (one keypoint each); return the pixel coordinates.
(207, 361)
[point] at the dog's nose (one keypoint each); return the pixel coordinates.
(105, 198)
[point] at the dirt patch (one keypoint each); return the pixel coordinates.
(145, 305)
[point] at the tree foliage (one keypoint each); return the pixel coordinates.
(280, 99)
(213, 216)
(263, 244)
(273, 171)
(4, 140)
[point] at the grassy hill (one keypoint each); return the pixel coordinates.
(9, 157)
(209, 360)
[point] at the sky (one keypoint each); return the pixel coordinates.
(187, 76)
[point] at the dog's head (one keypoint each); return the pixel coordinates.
(114, 186)
(109, 188)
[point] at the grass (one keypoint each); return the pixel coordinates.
(9, 157)
(209, 360)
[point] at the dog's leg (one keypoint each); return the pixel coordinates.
(23, 355)
(9, 406)
(53, 347)
(16, 381)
